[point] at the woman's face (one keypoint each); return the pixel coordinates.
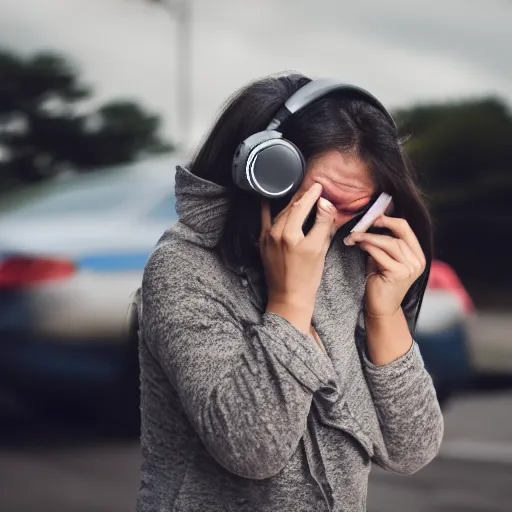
(345, 180)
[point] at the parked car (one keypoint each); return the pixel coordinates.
(490, 348)
(72, 255)
(442, 331)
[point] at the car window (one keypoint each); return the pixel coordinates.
(82, 196)
(128, 188)
(94, 199)
(165, 209)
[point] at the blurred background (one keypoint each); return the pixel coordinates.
(99, 100)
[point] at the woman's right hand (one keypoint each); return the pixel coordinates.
(293, 262)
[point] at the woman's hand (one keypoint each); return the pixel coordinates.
(293, 262)
(394, 265)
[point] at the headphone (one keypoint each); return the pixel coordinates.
(273, 167)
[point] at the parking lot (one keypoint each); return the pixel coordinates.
(45, 467)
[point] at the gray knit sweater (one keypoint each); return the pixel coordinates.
(243, 412)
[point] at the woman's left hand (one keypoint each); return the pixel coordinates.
(394, 264)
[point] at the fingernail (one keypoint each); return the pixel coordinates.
(348, 241)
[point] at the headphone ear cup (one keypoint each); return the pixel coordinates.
(268, 165)
(243, 153)
(239, 165)
(277, 169)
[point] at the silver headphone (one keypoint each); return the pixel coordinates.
(274, 167)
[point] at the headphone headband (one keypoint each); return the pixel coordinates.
(318, 88)
(267, 164)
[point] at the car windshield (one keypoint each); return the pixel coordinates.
(98, 195)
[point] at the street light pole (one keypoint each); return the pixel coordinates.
(181, 11)
(184, 68)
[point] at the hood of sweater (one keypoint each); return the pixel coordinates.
(202, 207)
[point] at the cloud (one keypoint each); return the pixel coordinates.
(403, 51)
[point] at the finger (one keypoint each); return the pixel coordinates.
(371, 267)
(409, 263)
(389, 244)
(281, 219)
(321, 233)
(401, 228)
(397, 249)
(266, 218)
(301, 209)
(384, 262)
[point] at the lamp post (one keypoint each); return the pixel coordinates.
(181, 11)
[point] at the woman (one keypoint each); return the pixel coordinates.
(276, 366)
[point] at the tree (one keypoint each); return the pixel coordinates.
(43, 129)
(456, 142)
(463, 152)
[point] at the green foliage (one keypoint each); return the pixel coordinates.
(463, 152)
(45, 127)
(123, 132)
(459, 142)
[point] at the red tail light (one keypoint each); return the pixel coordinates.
(22, 271)
(443, 277)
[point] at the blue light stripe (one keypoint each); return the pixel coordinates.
(113, 262)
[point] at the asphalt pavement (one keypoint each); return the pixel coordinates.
(46, 468)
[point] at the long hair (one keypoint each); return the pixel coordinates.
(334, 122)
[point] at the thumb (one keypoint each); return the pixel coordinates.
(323, 228)
(325, 207)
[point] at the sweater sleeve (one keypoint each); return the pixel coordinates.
(246, 388)
(409, 414)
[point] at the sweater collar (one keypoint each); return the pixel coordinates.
(202, 207)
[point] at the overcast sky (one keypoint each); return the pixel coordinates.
(403, 51)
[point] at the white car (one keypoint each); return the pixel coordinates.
(72, 254)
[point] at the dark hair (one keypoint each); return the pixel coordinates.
(336, 121)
